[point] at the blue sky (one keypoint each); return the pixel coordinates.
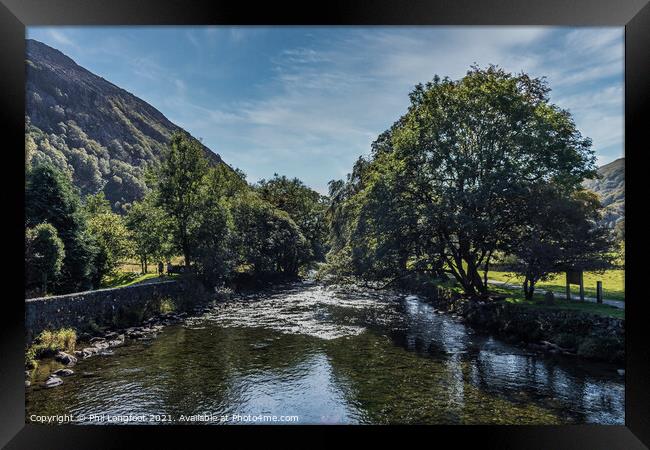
(307, 101)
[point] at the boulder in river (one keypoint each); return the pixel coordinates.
(64, 372)
(119, 340)
(53, 381)
(89, 351)
(65, 358)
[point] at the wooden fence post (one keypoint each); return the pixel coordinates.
(582, 287)
(599, 291)
(568, 287)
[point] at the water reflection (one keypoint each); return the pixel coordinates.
(334, 355)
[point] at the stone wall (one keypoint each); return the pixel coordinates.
(94, 308)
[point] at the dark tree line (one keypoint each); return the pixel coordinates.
(209, 215)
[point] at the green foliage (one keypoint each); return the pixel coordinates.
(44, 253)
(51, 198)
(113, 241)
(561, 233)
(213, 238)
(96, 204)
(266, 238)
(180, 178)
(151, 231)
(304, 205)
(48, 343)
(606, 348)
(452, 182)
(167, 305)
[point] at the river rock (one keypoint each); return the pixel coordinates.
(28, 383)
(64, 372)
(65, 358)
(111, 335)
(97, 339)
(88, 352)
(53, 381)
(116, 342)
(134, 333)
(101, 345)
(621, 372)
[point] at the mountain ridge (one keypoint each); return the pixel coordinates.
(610, 187)
(103, 136)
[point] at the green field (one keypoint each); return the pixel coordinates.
(613, 283)
(516, 296)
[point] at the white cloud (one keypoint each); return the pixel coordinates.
(61, 38)
(327, 99)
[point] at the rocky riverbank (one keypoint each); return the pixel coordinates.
(557, 331)
(102, 344)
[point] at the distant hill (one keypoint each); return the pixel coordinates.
(100, 134)
(611, 189)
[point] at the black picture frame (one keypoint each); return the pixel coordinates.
(633, 14)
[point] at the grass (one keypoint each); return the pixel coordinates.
(613, 283)
(123, 279)
(517, 297)
(167, 305)
(49, 342)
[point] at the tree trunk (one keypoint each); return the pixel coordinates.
(186, 254)
(529, 288)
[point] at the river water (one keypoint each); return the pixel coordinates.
(311, 354)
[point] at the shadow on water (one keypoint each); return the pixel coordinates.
(333, 355)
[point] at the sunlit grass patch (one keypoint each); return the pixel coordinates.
(613, 282)
(517, 297)
(49, 342)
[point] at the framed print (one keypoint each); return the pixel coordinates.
(371, 218)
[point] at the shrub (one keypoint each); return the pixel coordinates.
(605, 348)
(48, 343)
(167, 305)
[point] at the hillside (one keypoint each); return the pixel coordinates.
(102, 135)
(611, 189)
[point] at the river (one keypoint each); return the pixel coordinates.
(311, 354)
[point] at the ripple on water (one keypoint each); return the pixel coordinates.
(334, 355)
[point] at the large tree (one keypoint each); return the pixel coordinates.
(50, 197)
(267, 239)
(180, 178)
(113, 240)
(44, 253)
(562, 233)
(305, 206)
(151, 231)
(463, 162)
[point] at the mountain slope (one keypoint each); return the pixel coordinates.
(611, 189)
(102, 135)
